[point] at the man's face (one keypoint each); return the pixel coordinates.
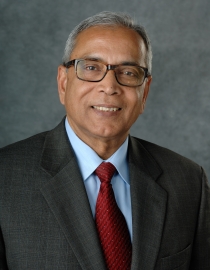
(88, 104)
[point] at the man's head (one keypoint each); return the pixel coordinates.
(105, 86)
(110, 19)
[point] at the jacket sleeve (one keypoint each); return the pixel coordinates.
(201, 247)
(3, 263)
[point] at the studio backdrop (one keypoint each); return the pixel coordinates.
(177, 115)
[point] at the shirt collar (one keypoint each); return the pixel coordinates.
(88, 160)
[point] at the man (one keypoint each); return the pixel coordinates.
(50, 185)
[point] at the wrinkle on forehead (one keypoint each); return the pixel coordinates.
(100, 42)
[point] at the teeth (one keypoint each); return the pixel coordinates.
(105, 109)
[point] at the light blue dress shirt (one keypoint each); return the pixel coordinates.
(88, 161)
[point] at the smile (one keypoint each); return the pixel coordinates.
(105, 109)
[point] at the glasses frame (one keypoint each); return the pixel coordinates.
(74, 63)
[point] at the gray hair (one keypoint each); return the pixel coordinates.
(108, 19)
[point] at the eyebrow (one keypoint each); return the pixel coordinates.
(126, 63)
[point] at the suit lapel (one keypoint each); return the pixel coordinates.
(66, 196)
(148, 206)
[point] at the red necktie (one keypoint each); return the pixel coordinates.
(110, 222)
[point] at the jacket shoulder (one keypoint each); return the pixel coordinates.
(23, 153)
(33, 144)
(21, 146)
(166, 158)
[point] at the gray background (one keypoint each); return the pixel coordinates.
(32, 38)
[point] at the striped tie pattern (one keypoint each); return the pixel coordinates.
(111, 224)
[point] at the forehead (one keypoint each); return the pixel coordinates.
(111, 44)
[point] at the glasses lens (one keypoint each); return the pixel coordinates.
(89, 70)
(130, 75)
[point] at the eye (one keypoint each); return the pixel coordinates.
(129, 73)
(91, 67)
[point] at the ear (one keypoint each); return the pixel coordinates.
(146, 91)
(62, 83)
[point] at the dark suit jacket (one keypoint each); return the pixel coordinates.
(46, 221)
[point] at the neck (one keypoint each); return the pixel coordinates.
(105, 148)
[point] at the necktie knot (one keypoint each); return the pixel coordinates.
(105, 171)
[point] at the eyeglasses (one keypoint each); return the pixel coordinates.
(94, 71)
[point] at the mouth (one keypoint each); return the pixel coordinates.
(106, 109)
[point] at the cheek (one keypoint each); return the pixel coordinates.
(71, 87)
(77, 94)
(136, 108)
(140, 97)
(67, 98)
(135, 100)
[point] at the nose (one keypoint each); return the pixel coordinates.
(109, 84)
